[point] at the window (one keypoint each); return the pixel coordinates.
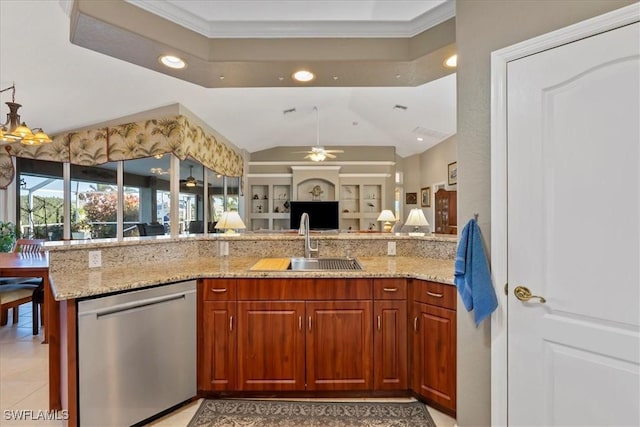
(94, 193)
(94, 201)
(41, 199)
(146, 195)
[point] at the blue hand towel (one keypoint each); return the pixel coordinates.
(472, 276)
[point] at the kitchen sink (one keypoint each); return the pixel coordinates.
(324, 264)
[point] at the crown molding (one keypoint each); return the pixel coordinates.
(303, 29)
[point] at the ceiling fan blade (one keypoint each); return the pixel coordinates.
(329, 155)
(300, 152)
(334, 151)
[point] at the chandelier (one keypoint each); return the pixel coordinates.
(15, 131)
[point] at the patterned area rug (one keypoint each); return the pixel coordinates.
(267, 413)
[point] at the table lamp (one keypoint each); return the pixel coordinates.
(387, 216)
(416, 219)
(230, 221)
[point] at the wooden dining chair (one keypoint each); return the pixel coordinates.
(28, 245)
(11, 297)
(21, 290)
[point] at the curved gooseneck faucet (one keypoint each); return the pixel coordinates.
(309, 251)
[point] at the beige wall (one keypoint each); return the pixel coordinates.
(482, 27)
(434, 168)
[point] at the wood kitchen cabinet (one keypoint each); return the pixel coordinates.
(271, 345)
(305, 334)
(339, 345)
(446, 212)
(390, 334)
(217, 338)
(433, 343)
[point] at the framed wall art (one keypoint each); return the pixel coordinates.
(411, 199)
(452, 173)
(425, 197)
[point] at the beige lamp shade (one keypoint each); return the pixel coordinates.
(230, 221)
(388, 217)
(416, 219)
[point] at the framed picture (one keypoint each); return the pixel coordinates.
(411, 199)
(453, 173)
(425, 197)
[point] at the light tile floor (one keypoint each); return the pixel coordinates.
(24, 380)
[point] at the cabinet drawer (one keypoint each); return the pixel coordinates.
(304, 289)
(219, 289)
(390, 288)
(433, 293)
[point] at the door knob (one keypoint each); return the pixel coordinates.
(524, 294)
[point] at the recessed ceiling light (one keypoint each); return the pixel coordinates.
(452, 61)
(420, 138)
(173, 62)
(335, 77)
(280, 78)
(221, 77)
(303, 76)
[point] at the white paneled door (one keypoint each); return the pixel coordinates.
(573, 159)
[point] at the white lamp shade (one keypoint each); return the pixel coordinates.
(230, 221)
(416, 219)
(386, 215)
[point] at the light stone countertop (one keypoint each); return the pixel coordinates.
(100, 281)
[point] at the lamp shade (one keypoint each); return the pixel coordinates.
(416, 219)
(230, 221)
(386, 216)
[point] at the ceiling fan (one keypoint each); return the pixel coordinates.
(318, 153)
(190, 181)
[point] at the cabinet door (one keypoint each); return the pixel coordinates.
(434, 355)
(390, 345)
(271, 345)
(218, 349)
(339, 345)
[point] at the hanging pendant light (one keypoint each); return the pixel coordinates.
(15, 131)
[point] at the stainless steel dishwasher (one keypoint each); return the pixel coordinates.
(136, 354)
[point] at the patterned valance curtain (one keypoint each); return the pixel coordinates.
(129, 141)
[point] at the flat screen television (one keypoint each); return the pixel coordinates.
(323, 215)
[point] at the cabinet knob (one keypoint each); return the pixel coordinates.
(436, 295)
(379, 323)
(415, 323)
(218, 290)
(230, 323)
(390, 289)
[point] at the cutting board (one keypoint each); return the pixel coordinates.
(275, 264)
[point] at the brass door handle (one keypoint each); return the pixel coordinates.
(524, 294)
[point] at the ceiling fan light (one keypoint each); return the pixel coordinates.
(191, 182)
(317, 156)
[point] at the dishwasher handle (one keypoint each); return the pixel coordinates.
(138, 304)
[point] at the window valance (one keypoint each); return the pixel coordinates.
(129, 141)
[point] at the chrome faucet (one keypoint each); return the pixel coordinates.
(309, 251)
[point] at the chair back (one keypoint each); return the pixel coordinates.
(28, 245)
